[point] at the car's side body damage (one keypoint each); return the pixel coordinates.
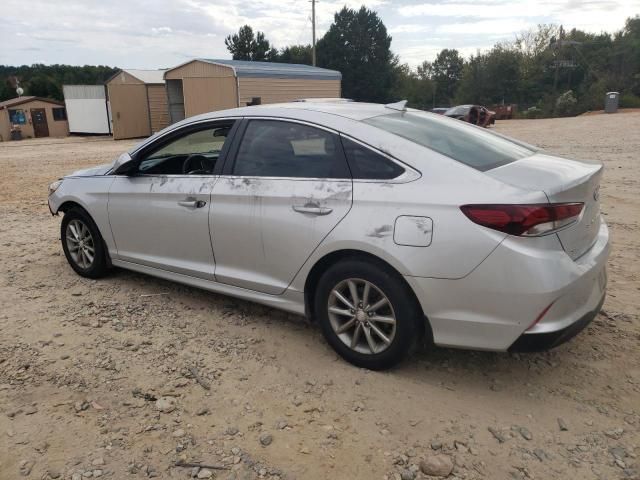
(253, 237)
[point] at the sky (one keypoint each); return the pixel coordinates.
(164, 33)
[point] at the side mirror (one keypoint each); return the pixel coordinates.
(124, 164)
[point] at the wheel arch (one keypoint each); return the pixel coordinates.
(70, 205)
(332, 258)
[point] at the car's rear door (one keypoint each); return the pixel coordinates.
(285, 186)
(159, 213)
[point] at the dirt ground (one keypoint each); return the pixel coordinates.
(123, 377)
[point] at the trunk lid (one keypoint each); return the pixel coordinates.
(563, 181)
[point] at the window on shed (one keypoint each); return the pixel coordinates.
(17, 117)
(59, 114)
(367, 164)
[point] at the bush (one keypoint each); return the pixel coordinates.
(566, 104)
(532, 112)
(629, 100)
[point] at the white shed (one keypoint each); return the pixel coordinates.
(87, 109)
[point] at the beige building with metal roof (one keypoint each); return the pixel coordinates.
(204, 85)
(32, 117)
(137, 102)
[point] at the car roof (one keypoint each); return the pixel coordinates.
(352, 110)
(341, 115)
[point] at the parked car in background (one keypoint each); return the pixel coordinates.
(474, 114)
(385, 225)
(505, 112)
(439, 110)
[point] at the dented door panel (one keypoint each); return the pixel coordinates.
(264, 229)
(163, 222)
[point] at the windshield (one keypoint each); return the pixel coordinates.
(473, 146)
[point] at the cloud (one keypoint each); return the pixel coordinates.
(476, 10)
(161, 30)
(160, 33)
(489, 27)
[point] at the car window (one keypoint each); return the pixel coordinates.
(367, 164)
(274, 148)
(196, 152)
(473, 146)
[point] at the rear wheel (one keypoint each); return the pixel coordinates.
(82, 244)
(367, 314)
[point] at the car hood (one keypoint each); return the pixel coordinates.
(92, 172)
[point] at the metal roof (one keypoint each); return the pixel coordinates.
(145, 76)
(20, 100)
(244, 68)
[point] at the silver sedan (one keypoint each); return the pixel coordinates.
(387, 226)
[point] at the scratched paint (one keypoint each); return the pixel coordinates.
(381, 232)
(423, 224)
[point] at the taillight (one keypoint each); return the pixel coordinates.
(524, 220)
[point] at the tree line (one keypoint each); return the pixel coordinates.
(47, 80)
(546, 71)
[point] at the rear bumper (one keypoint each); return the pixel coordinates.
(538, 342)
(499, 302)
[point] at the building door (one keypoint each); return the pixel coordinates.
(129, 111)
(175, 99)
(39, 121)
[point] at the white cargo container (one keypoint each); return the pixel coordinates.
(87, 109)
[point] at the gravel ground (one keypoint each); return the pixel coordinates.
(129, 376)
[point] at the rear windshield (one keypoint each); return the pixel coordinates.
(473, 146)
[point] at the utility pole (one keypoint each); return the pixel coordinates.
(559, 45)
(313, 29)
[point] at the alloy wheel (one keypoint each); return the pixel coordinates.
(80, 243)
(362, 316)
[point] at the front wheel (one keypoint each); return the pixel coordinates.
(82, 244)
(367, 314)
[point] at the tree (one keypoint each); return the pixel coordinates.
(295, 54)
(47, 80)
(414, 87)
(244, 45)
(446, 71)
(425, 70)
(357, 44)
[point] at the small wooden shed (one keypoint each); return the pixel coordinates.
(204, 85)
(137, 103)
(33, 117)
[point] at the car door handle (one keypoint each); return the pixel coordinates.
(312, 209)
(192, 203)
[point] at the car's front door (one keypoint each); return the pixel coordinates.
(283, 189)
(159, 212)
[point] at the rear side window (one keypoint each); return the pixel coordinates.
(272, 148)
(367, 164)
(473, 146)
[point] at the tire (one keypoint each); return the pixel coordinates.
(80, 239)
(401, 306)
